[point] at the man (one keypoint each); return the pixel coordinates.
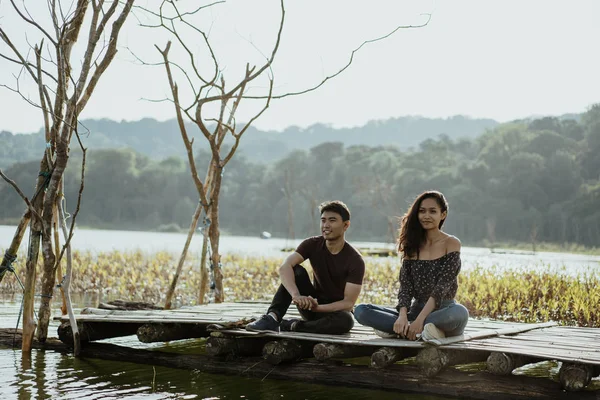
(338, 270)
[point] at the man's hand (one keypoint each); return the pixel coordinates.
(401, 325)
(415, 327)
(305, 302)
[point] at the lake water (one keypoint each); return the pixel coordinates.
(151, 242)
(50, 375)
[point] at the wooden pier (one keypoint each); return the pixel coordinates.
(499, 346)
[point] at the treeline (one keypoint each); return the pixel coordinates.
(159, 140)
(520, 182)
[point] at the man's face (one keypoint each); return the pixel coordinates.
(332, 226)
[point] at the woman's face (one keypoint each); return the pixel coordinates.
(430, 214)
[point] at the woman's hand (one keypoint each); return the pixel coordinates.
(401, 325)
(415, 328)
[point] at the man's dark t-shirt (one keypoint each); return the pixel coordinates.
(332, 271)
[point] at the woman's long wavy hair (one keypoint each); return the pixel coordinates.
(412, 235)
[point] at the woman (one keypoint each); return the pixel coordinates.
(428, 278)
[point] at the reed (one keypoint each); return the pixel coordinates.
(515, 294)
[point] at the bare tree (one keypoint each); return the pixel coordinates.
(225, 97)
(64, 84)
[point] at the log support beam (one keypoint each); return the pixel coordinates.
(499, 363)
(432, 360)
(327, 351)
(387, 356)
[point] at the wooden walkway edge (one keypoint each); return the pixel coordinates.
(503, 346)
(398, 378)
(489, 333)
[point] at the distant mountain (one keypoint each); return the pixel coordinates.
(159, 140)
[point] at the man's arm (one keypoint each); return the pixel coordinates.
(286, 273)
(351, 292)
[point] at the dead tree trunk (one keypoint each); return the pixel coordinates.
(64, 89)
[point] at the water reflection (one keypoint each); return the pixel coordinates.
(50, 375)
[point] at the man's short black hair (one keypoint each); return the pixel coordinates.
(336, 206)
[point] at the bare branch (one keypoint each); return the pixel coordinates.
(23, 61)
(239, 135)
(32, 22)
(180, 121)
(17, 91)
(173, 30)
(181, 69)
(49, 75)
(264, 67)
(108, 56)
(178, 15)
(20, 193)
(38, 56)
(351, 59)
(79, 195)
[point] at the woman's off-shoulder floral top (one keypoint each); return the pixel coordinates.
(422, 279)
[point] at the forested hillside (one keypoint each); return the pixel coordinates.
(520, 181)
(159, 140)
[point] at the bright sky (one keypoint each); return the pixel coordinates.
(492, 59)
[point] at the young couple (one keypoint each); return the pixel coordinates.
(428, 279)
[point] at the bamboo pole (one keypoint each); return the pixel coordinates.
(66, 285)
(11, 253)
(191, 230)
(203, 269)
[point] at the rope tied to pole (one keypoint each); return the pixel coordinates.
(47, 175)
(9, 259)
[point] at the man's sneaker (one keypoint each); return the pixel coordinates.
(266, 323)
(431, 332)
(385, 335)
(288, 325)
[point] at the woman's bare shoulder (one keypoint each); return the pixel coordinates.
(452, 244)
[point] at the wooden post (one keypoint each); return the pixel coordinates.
(433, 360)
(149, 333)
(29, 323)
(504, 363)
(326, 351)
(574, 377)
(286, 350)
(386, 356)
(89, 332)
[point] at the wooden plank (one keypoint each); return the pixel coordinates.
(546, 340)
(488, 333)
(545, 353)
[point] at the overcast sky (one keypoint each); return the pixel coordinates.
(484, 59)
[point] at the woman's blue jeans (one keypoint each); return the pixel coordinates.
(451, 317)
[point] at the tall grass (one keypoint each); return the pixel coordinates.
(498, 293)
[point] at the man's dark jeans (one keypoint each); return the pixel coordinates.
(334, 323)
